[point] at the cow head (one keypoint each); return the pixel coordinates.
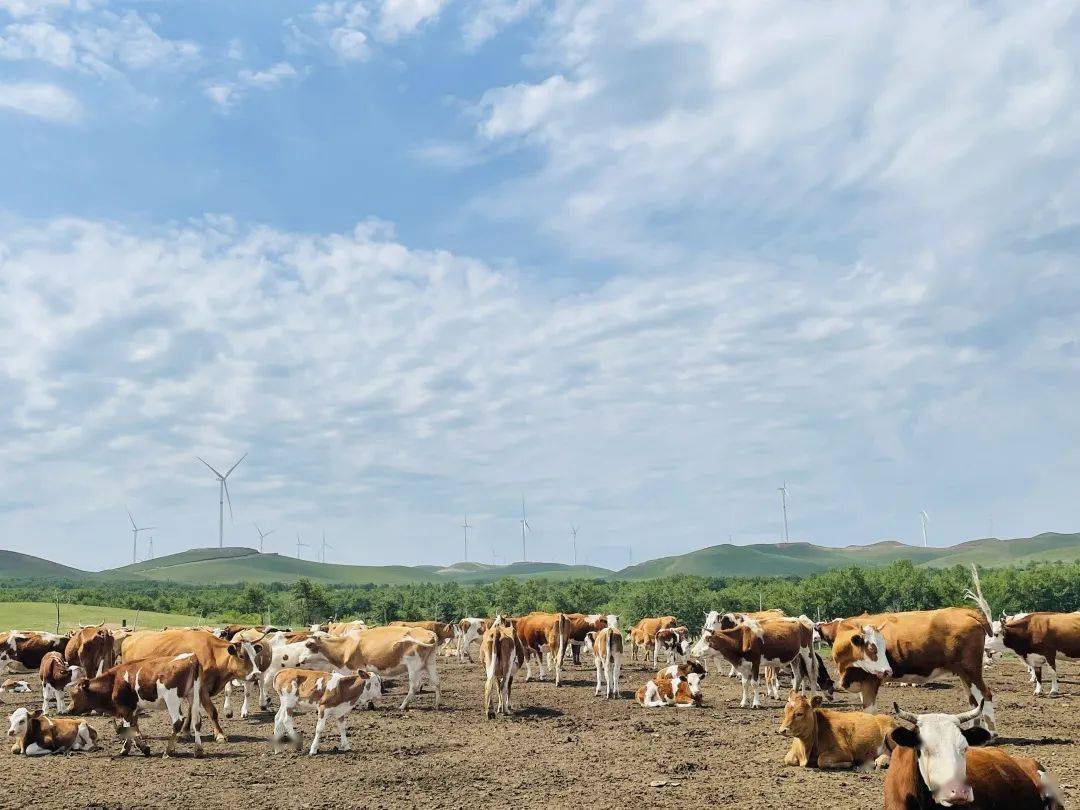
(247, 653)
(612, 621)
(693, 683)
(79, 691)
(20, 721)
(863, 648)
(590, 641)
(701, 646)
(942, 743)
(712, 620)
(799, 718)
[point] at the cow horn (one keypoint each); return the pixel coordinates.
(907, 717)
(967, 717)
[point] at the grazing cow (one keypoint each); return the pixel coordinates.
(91, 648)
(36, 735)
(444, 631)
(933, 766)
(823, 738)
(470, 629)
(221, 660)
(344, 628)
(914, 647)
(741, 647)
(1039, 639)
(675, 641)
(502, 653)
(56, 676)
(124, 690)
(580, 626)
(15, 685)
(384, 650)
(333, 696)
(542, 633)
(643, 634)
(606, 646)
(664, 689)
(27, 649)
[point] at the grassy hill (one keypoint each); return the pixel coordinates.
(42, 616)
(209, 566)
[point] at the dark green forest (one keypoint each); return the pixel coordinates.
(842, 592)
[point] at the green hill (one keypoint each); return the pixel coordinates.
(14, 565)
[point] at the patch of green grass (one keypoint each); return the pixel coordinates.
(42, 616)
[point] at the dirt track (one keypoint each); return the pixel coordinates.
(563, 748)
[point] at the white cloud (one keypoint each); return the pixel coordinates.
(226, 94)
(40, 100)
(522, 108)
(398, 18)
(485, 18)
(350, 44)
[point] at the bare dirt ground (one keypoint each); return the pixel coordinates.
(563, 747)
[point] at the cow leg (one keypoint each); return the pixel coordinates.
(433, 677)
(540, 663)
(415, 671)
(755, 684)
(281, 729)
(981, 694)
(175, 707)
(1051, 664)
(652, 696)
(827, 761)
(247, 698)
(616, 671)
(140, 741)
(320, 726)
(868, 691)
(211, 709)
(341, 717)
(655, 652)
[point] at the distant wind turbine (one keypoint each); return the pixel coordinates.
(300, 545)
(573, 531)
(524, 526)
(151, 548)
(223, 494)
(135, 537)
(323, 547)
(466, 527)
(924, 519)
(262, 535)
(783, 507)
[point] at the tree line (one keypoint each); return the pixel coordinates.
(840, 592)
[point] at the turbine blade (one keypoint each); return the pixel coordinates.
(131, 519)
(237, 464)
(225, 484)
(269, 532)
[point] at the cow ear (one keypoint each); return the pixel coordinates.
(906, 737)
(858, 640)
(815, 701)
(976, 735)
(232, 649)
(257, 647)
(312, 645)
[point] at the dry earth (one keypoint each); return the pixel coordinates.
(563, 748)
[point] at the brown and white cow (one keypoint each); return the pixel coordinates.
(678, 685)
(606, 646)
(470, 629)
(385, 650)
(914, 647)
(222, 661)
(643, 634)
(823, 738)
(581, 625)
(91, 648)
(36, 735)
(162, 681)
(15, 685)
(56, 676)
(741, 647)
(934, 766)
(332, 695)
(27, 649)
(674, 641)
(503, 654)
(540, 634)
(1039, 639)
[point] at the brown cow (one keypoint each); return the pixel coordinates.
(28, 648)
(740, 646)
(581, 625)
(542, 633)
(442, 630)
(91, 648)
(823, 738)
(37, 735)
(126, 689)
(914, 647)
(643, 634)
(1038, 639)
(385, 650)
(681, 690)
(56, 676)
(933, 766)
(606, 646)
(502, 654)
(332, 694)
(221, 660)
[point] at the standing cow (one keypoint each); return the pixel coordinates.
(544, 633)
(503, 654)
(606, 646)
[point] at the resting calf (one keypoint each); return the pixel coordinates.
(824, 738)
(36, 735)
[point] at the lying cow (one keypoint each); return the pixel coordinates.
(682, 690)
(503, 654)
(1039, 639)
(606, 646)
(56, 677)
(332, 695)
(14, 685)
(823, 738)
(933, 766)
(36, 735)
(643, 635)
(27, 649)
(127, 689)
(91, 648)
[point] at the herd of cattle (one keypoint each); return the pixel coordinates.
(932, 759)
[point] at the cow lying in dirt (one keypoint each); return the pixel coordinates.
(824, 738)
(36, 735)
(676, 685)
(333, 696)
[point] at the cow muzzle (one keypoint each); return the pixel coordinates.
(955, 793)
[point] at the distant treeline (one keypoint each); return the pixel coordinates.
(842, 592)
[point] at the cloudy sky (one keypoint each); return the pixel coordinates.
(641, 261)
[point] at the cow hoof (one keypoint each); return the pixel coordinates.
(228, 714)
(220, 738)
(199, 752)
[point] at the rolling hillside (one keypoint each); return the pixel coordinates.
(208, 566)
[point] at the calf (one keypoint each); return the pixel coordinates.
(933, 766)
(333, 696)
(502, 653)
(643, 635)
(741, 647)
(14, 685)
(469, 630)
(681, 691)
(56, 676)
(675, 641)
(542, 633)
(126, 689)
(580, 626)
(36, 735)
(1038, 639)
(606, 646)
(823, 738)
(92, 648)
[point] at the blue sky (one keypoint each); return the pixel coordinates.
(643, 262)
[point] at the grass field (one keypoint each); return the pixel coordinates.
(42, 616)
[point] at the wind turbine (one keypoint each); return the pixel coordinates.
(135, 537)
(262, 535)
(524, 525)
(573, 531)
(151, 554)
(300, 545)
(924, 519)
(466, 527)
(223, 493)
(783, 506)
(324, 547)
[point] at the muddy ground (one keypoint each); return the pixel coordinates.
(563, 748)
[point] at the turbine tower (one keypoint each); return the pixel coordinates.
(262, 535)
(524, 526)
(573, 532)
(135, 537)
(783, 507)
(466, 527)
(151, 548)
(223, 493)
(323, 547)
(924, 519)
(300, 545)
